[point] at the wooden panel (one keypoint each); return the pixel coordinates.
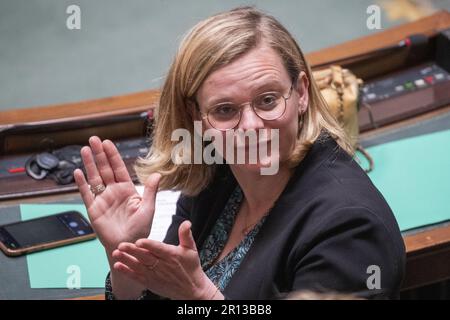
(428, 26)
(40, 140)
(427, 240)
(110, 106)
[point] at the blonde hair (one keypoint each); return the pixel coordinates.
(208, 46)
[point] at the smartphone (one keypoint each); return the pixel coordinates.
(44, 233)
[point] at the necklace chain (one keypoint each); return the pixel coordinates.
(248, 228)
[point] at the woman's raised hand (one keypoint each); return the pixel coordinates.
(118, 213)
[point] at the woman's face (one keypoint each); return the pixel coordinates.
(259, 71)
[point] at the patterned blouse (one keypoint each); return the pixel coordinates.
(222, 271)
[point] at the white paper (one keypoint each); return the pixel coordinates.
(165, 208)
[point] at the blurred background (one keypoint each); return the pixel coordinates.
(127, 46)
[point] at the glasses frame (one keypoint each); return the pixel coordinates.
(206, 115)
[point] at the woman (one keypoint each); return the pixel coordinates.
(318, 224)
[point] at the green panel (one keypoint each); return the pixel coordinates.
(413, 175)
(55, 268)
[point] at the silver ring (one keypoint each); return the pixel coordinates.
(98, 189)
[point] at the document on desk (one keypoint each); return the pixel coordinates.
(84, 265)
(166, 202)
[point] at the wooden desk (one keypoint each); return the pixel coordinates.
(428, 250)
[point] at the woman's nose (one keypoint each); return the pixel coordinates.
(249, 119)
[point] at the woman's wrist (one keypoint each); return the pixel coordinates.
(217, 295)
(212, 292)
(122, 286)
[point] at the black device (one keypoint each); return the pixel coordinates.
(443, 49)
(44, 233)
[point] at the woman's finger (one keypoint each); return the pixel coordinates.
(159, 249)
(130, 261)
(185, 235)
(103, 166)
(150, 190)
(83, 187)
(115, 159)
(93, 176)
(143, 255)
(124, 269)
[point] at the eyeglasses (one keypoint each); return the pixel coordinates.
(267, 106)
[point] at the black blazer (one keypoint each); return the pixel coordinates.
(327, 227)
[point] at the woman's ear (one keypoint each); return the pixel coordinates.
(301, 87)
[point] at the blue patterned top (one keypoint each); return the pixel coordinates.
(221, 272)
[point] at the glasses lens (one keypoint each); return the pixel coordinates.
(224, 116)
(269, 106)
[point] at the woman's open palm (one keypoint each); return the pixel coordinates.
(117, 214)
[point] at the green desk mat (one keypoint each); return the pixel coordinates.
(56, 268)
(413, 174)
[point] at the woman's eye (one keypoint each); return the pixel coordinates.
(266, 101)
(224, 110)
